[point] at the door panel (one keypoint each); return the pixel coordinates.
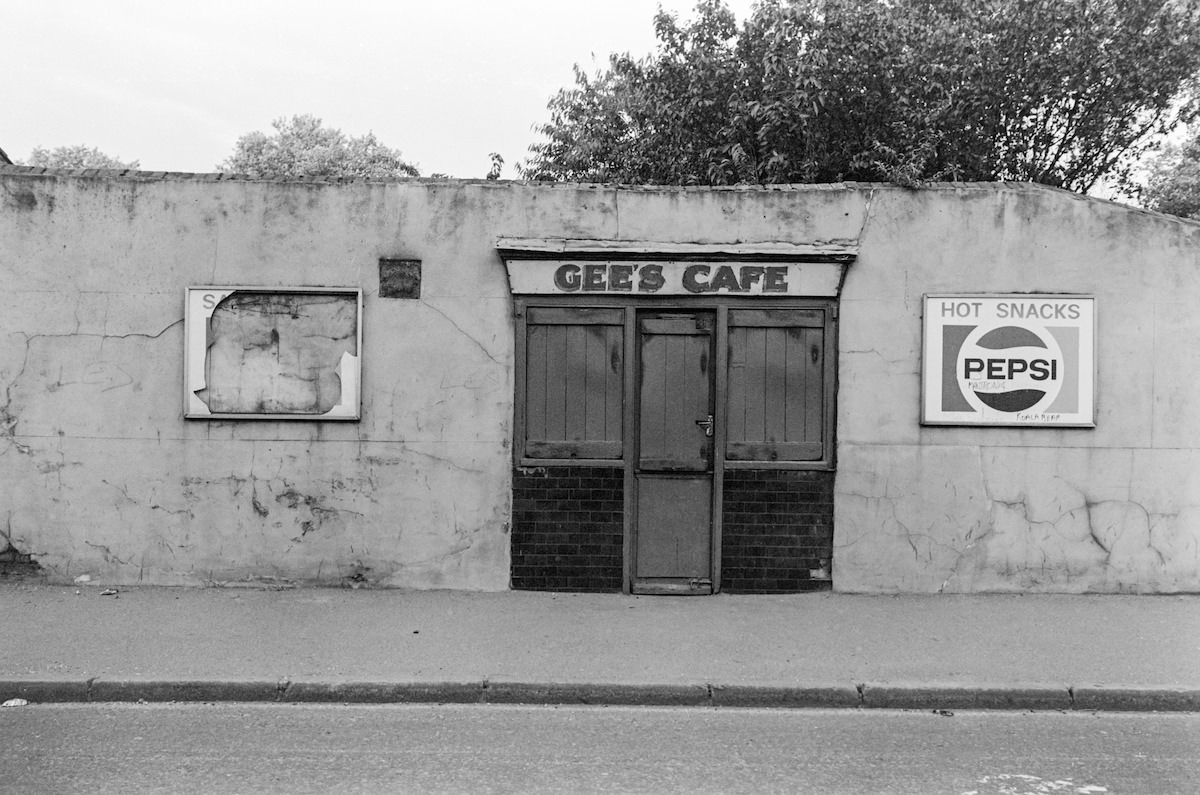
(673, 527)
(676, 393)
(673, 522)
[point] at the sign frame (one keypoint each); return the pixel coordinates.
(1059, 328)
(642, 269)
(200, 302)
(650, 278)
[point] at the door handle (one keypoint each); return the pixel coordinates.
(706, 424)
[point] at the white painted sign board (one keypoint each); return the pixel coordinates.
(1009, 360)
(626, 277)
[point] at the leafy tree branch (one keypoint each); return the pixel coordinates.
(1063, 92)
(303, 147)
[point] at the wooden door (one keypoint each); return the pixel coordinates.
(674, 471)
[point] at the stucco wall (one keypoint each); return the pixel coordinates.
(932, 509)
(102, 474)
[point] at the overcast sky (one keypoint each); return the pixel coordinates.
(175, 84)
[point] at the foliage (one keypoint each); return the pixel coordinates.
(648, 121)
(1174, 184)
(303, 147)
(1062, 92)
(497, 166)
(78, 156)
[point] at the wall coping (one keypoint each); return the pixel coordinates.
(135, 175)
(558, 248)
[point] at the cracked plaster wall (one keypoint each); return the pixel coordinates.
(102, 474)
(937, 509)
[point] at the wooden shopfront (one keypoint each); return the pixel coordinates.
(674, 415)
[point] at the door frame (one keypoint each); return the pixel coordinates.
(721, 306)
(632, 441)
(632, 406)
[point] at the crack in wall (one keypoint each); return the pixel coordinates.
(14, 559)
(318, 512)
(107, 553)
(8, 545)
(989, 522)
(9, 420)
(1119, 530)
(929, 538)
(870, 204)
(972, 541)
(463, 331)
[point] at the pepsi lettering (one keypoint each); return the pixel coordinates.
(1007, 369)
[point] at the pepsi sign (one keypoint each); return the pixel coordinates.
(1025, 360)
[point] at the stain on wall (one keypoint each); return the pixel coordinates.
(1110, 509)
(103, 475)
(399, 278)
(13, 561)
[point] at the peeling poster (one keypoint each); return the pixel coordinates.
(273, 353)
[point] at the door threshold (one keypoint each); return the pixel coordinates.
(693, 587)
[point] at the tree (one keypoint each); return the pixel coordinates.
(655, 120)
(1062, 92)
(78, 156)
(497, 166)
(302, 147)
(1174, 184)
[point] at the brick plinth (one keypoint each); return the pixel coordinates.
(567, 532)
(777, 527)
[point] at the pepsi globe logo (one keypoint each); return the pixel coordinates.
(1010, 369)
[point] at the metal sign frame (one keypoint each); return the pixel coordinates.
(202, 301)
(1009, 360)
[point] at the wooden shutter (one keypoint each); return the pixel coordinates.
(776, 407)
(573, 383)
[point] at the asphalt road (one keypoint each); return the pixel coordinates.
(98, 748)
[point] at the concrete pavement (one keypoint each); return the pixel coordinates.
(928, 652)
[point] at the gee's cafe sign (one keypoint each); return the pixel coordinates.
(1018, 360)
(649, 278)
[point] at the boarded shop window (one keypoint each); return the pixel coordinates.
(273, 353)
(573, 383)
(778, 391)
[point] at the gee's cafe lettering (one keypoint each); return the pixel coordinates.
(674, 278)
(1009, 360)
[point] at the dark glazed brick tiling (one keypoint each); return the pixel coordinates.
(777, 525)
(568, 529)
